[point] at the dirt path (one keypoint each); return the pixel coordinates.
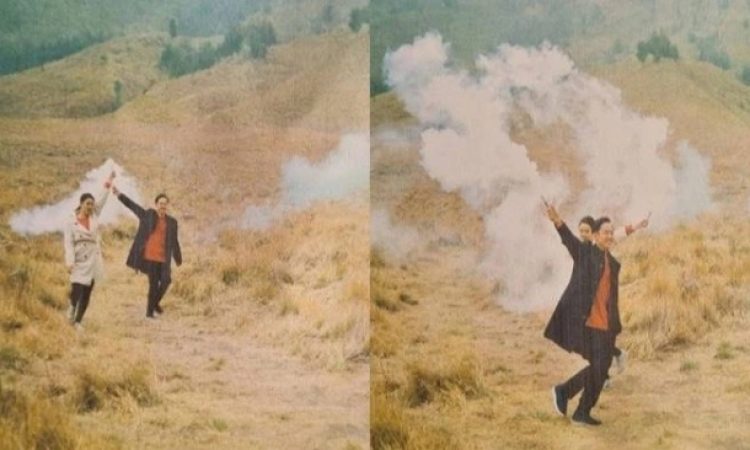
(693, 397)
(217, 387)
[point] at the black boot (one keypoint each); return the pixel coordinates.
(581, 417)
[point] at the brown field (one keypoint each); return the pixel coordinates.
(265, 339)
(453, 369)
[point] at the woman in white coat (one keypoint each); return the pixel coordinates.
(83, 254)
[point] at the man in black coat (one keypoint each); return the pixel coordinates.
(154, 247)
(587, 318)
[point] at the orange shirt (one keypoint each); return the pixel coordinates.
(599, 318)
(156, 243)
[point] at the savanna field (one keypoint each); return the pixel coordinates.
(264, 343)
(451, 365)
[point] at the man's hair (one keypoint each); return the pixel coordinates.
(156, 200)
(599, 222)
(85, 196)
(588, 220)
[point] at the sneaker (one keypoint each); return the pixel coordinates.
(156, 314)
(581, 418)
(78, 327)
(620, 361)
(607, 384)
(71, 313)
(150, 317)
(559, 401)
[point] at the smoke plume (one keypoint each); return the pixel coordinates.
(345, 171)
(467, 147)
(52, 217)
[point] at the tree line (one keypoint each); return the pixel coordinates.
(181, 58)
(18, 56)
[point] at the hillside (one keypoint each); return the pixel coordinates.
(450, 365)
(592, 32)
(82, 85)
(265, 339)
(308, 75)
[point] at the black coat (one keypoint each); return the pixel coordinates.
(567, 324)
(147, 220)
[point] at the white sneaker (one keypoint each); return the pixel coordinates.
(607, 384)
(71, 313)
(156, 314)
(621, 360)
(78, 327)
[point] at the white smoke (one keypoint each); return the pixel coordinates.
(396, 241)
(467, 147)
(345, 171)
(52, 218)
(693, 184)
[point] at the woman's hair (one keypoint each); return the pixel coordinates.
(599, 222)
(85, 196)
(588, 220)
(156, 200)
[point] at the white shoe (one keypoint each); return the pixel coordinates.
(156, 314)
(607, 384)
(621, 360)
(71, 313)
(78, 327)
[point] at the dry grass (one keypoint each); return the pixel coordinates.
(682, 297)
(82, 85)
(34, 422)
(679, 286)
(309, 272)
(120, 387)
(215, 141)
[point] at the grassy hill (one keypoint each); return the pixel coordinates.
(592, 32)
(451, 366)
(82, 85)
(284, 304)
(296, 83)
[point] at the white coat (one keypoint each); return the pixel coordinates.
(83, 247)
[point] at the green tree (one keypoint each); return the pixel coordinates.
(745, 75)
(260, 36)
(358, 17)
(659, 46)
(232, 43)
(172, 28)
(117, 89)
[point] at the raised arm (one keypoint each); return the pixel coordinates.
(623, 232)
(569, 240)
(103, 195)
(133, 206)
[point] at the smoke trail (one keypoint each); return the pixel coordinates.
(467, 147)
(396, 241)
(52, 218)
(344, 171)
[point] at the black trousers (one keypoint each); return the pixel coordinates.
(600, 348)
(80, 294)
(156, 287)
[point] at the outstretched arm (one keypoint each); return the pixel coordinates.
(103, 195)
(627, 230)
(133, 206)
(569, 240)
